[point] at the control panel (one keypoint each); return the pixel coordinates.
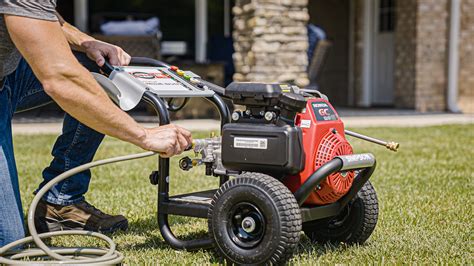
(168, 82)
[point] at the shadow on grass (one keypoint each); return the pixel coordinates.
(307, 247)
(155, 241)
(150, 223)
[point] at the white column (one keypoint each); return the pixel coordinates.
(201, 30)
(453, 61)
(81, 14)
(367, 60)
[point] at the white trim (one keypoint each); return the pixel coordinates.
(367, 61)
(81, 14)
(453, 60)
(201, 30)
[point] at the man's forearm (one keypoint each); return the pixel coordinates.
(44, 46)
(76, 38)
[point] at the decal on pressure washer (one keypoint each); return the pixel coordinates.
(323, 112)
(251, 143)
(155, 79)
(145, 75)
(305, 123)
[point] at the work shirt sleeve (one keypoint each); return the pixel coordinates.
(38, 9)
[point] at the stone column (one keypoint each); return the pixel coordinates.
(270, 41)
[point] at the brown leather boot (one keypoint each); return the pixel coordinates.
(81, 216)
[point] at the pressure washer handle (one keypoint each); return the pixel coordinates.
(391, 145)
(216, 88)
(107, 68)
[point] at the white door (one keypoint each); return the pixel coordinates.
(384, 53)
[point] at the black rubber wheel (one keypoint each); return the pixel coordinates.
(254, 219)
(353, 225)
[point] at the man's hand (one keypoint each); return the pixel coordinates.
(99, 51)
(96, 50)
(168, 140)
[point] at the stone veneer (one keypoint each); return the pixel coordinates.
(270, 41)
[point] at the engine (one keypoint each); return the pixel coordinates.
(280, 133)
(323, 139)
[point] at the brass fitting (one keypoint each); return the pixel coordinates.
(393, 146)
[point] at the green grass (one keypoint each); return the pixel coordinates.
(424, 191)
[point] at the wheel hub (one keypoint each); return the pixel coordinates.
(246, 227)
(248, 224)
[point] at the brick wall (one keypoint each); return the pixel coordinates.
(466, 52)
(421, 54)
(270, 41)
(405, 54)
(432, 55)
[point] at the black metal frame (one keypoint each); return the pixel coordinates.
(324, 211)
(175, 205)
(169, 205)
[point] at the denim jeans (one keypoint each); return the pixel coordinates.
(75, 146)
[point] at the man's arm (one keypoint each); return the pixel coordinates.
(43, 44)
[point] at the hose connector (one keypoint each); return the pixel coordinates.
(393, 146)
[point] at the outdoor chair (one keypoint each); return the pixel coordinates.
(136, 46)
(316, 64)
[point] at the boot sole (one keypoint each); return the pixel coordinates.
(54, 225)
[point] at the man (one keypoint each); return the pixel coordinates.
(37, 66)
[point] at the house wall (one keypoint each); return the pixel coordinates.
(405, 54)
(431, 55)
(421, 48)
(422, 55)
(466, 63)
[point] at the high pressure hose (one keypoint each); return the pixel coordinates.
(14, 254)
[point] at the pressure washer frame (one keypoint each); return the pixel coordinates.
(176, 205)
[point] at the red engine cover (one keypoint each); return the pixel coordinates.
(323, 139)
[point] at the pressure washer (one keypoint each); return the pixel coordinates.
(283, 164)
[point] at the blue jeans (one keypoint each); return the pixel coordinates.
(75, 146)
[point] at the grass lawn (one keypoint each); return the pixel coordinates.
(424, 191)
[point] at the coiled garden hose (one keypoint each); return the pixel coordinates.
(13, 254)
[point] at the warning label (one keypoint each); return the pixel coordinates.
(305, 123)
(251, 143)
